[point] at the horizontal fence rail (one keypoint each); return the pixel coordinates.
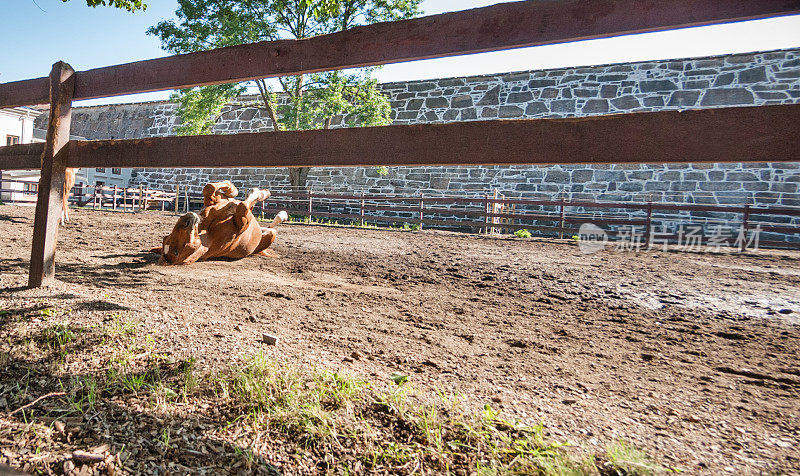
(493, 28)
(21, 156)
(563, 218)
(740, 134)
(94, 196)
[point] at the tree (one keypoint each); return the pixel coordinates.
(130, 5)
(313, 101)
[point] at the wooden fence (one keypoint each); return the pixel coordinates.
(487, 213)
(750, 134)
(556, 217)
(97, 197)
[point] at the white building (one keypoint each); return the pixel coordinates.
(16, 127)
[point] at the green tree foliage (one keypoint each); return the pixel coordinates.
(312, 101)
(130, 5)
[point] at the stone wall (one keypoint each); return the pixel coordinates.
(750, 79)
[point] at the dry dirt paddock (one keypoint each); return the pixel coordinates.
(689, 356)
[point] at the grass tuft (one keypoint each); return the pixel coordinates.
(624, 460)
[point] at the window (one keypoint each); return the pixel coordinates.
(30, 187)
(116, 171)
(100, 170)
(12, 140)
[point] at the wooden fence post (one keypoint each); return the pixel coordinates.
(649, 228)
(114, 199)
(309, 205)
(745, 219)
(486, 211)
(421, 208)
(125, 200)
(561, 222)
(177, 198)
(142, 201)
(186, 198)
(361, 209)
(51, 182)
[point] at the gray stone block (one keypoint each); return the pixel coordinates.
(491, 98)
(683, 98)
(756, 186)
(769, 95)
(585, 92)
(557, 176)
(785, 187)
(741, 177)
(631, 187)
(609, 175)
(421, 86)
(700, 72)
(626, 102)
(656, 86)
(510, 111)
(582, 176)
(563, 105)
(407, 115)
(536, 108)
(451, 82)
(752, 75)
(462, 101)
(549, 93)
(719, 186)
(469, 114)
(450, 115)
(518, 97)
(610, 78)
(654, 102)
(727, 97)
(640, 175)
(683, 186)
(436, 103)
(656, 186)
(595, 106)
(415, 104)
(608, 91)
(541, 83)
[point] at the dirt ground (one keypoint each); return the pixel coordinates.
(690, 356)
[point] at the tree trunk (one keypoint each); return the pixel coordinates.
(297, 178)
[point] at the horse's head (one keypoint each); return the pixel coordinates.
(183, 241)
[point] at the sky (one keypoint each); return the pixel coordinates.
(37, 33)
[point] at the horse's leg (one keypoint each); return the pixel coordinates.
(212, 192)
(268, 236)
(69, 182)
(244, 209)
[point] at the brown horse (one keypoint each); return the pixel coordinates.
(225, 228)
(69, 182)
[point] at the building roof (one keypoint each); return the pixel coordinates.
(41, 134)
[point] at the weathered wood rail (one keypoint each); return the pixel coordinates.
(722, 135)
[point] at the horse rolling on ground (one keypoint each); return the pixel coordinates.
(225, 228)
